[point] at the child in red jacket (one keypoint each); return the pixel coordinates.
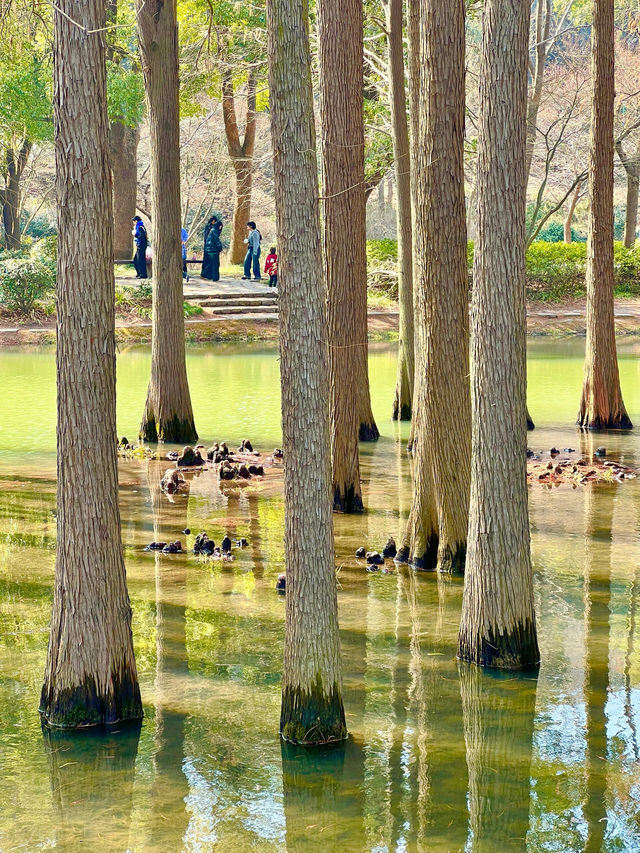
(271, 267)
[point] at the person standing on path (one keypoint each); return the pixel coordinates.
(271, 267)
(142, 241)
(212, 248)
(184, 235)
(216, 224)
(253, 253)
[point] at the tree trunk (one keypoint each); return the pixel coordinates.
(341, 104)
(241, 154)
(123, 148)
(498, 626)
(340, 51)
(601, 406)
(631, 212)
(572, 209)
(168, 415)
(544, 13)
(90, 677)
(442, 433)
(12, 195)
(312, 711)
(404, 381)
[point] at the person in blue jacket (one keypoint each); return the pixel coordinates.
(253, 252)
(184, 234)
(142, 241)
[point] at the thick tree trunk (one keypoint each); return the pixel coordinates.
(572, 209)
(168, 415)
(404, 382)
(12, 194)
(498, 626)
(312, 710)
(442, 436)
(601, 406)
(340, 53)
(340, 61)
(90, 676)
(123, 148)
(241, 154)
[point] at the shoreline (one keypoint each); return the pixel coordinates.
(567, 319)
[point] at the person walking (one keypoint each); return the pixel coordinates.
(252, 257)
(216, 224)
(212, 248)
(184, 234)
(271, 267)
(142, 241)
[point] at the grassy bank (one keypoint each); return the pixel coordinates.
(555, 271)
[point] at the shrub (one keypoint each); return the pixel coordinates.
(382, 254)
(23, 281)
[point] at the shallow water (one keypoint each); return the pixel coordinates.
(441, 758)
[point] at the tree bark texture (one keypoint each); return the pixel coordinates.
(15, 164)
(601, 406)
(241, 154)
(123, 148)
(168, 415)
(340, 52)
(632, 168)
(498, 626)
(404, 382)
(312, 709)
(568, 223)
(442, 436)
(90, 677)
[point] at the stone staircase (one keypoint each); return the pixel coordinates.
(241, 304)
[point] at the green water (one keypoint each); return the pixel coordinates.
(442, 757)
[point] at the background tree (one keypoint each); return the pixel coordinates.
(441, 438)
(312, 710)
(497, 626)
(90, 676)
(168, 415)
(402, 403)
(601, 406)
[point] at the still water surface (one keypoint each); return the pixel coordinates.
(442, 757)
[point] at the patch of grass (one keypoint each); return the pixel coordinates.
(192, 310)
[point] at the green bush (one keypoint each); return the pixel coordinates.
(382, 254)
(23, 281)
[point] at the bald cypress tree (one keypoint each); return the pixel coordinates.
(312, 711)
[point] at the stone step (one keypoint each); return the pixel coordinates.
(266, 310)
(240, 301)
(269, 295)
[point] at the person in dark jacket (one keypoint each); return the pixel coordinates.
(207, 269)
(142, 241)
(212, 248)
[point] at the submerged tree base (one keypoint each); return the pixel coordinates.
(368, 432)
(401, 412)
(598, 424)
(422, 560)
(172, 431)
(311, 718)
(82, 705)
(452, 558)
(530, 423)
(515, 649)
(347, 500)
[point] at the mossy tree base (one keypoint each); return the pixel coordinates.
(175, 430)
(599, 424)
(514, 649)
(368, 432)
(312, 718)
(83, 705)
(347, 500)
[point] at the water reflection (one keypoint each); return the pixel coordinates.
(91, 777)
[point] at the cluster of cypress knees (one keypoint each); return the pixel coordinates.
(203, 545)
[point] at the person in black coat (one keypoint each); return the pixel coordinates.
(142, 241)
(212, 248)
(214, 224)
